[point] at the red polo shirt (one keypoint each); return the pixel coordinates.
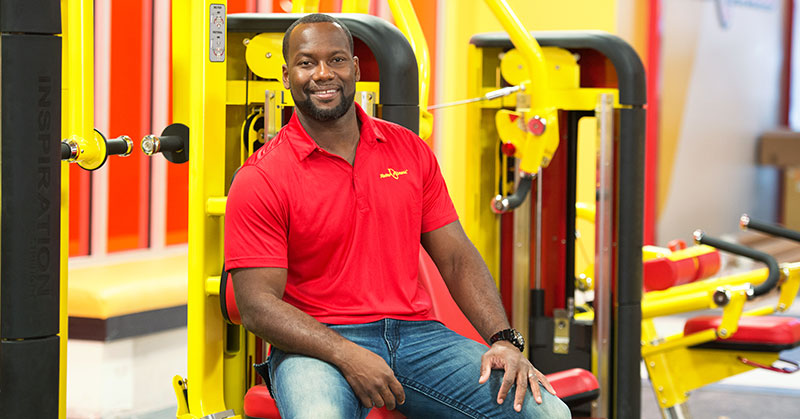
(348, 235)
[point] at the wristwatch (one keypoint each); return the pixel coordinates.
(510, 335)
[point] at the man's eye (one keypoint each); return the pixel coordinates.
(338, 59)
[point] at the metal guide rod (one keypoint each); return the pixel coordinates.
(494, 94)
(537, 280)
(521, 269)
(604, 114)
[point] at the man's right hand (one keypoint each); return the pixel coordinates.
(371, 379)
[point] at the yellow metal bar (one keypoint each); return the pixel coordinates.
(216, 205)
(790, 286)
(199, 102)
(355, 6)
(212, 285)
(527, 45)
(685, 341)
(732, 313)
(754, 277)
(763, 311)
(406, 20)
(305, 6)
(678, 303)
(77, 120)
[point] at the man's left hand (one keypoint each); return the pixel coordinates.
(518, 370)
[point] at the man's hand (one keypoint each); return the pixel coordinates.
(371, 379)
(518, 370)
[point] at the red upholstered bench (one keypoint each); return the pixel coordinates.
(575, 386)
(759, 334)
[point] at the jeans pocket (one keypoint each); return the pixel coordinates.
(263, 370)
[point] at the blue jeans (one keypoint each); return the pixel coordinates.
(438, 368)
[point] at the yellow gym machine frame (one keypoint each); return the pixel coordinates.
(217, 379)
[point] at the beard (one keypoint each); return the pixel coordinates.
(313, 111)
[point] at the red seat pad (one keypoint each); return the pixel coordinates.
(572, 382)
(752, 329)
(259, 404)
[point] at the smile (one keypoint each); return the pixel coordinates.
(325, 94)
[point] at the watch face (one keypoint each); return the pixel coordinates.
(518, 339)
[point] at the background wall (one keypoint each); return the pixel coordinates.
(721, 88)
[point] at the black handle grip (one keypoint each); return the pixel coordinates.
(745, 222)
(119, 146)
(502, 204)
(171, 143)
(774, 271)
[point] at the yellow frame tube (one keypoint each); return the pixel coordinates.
(77, 120)
(527, 46)
(199, 102)
(754, 277)
(406, 20)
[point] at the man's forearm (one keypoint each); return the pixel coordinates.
(293, 331)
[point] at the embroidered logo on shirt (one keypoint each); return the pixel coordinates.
(393, 173)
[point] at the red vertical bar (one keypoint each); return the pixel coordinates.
(129, 114)
(651, 120)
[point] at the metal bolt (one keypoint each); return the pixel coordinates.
(245, 41)
(660, 388)
(723, 332)
(269, 55)
(652, 364)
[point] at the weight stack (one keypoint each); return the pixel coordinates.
(30, 174)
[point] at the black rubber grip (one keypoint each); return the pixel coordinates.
(737, 249)
(170, 143)
(66, 151)
(116, 146)
(773, 229)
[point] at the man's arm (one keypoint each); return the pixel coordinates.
(258, 296)
(473, 289)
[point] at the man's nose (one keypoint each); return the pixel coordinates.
(323, 72)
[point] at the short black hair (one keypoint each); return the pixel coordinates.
(314, 18)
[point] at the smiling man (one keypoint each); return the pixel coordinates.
(322, 233)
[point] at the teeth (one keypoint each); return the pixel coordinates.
(325, 91)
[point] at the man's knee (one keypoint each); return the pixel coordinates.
(551, 407)
(320, 409)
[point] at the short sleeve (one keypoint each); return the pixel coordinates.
(256, 222)
(437, 207)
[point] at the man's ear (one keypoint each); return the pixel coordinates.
(358, 69)
(285, 76)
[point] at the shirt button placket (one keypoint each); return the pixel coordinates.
(361, 200)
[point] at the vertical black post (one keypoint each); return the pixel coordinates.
(30, 174)
(627, 308)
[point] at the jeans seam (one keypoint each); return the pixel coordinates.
(441, 398)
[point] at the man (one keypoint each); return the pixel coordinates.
(323, 227)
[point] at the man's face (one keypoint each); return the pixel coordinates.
(320, 71)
